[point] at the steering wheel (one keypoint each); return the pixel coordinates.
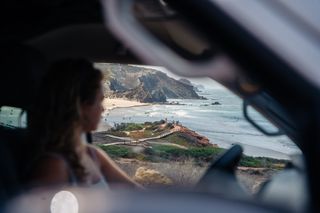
(220, 176)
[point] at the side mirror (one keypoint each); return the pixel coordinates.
(259, 121)
(13, 117)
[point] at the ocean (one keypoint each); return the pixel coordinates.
(223, 124)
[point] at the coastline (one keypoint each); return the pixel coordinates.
(112, 103)
(250, 148)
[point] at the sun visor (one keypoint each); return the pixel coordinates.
(159, 36)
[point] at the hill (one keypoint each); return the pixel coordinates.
(143, 84)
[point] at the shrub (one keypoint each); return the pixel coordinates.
(118, 151)
(171, 152)
(261, 162)
(200, 155)
(148, 151)
(133, 126)
(127, 127)
(177, 139)
(205, 154)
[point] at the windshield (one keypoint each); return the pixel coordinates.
(158, 122)
(281, 24)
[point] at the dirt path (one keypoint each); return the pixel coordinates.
(168, 144)
(144, 143)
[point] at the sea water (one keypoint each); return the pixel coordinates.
(222, 124)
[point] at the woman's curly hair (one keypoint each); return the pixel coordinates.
(68, 84)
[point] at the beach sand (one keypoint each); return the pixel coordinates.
(112, 103)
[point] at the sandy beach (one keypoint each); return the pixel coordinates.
(112, 103)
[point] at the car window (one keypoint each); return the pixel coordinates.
(164, 130)
(13, 117)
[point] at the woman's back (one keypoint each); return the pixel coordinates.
(53, 169)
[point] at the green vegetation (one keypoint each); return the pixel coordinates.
(260, 162)
(165, 150)
(140, 130)
(115, 151)
(201, 155)
(118, 151)
(177, 139)
(138, 126)
(127, 127)
(175, 153)
(120, 129)
(142, 134)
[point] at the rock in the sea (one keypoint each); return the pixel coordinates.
(216, 103)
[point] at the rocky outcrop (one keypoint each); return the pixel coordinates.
(141, 94)
(193, 137)
(196, 87)
(185, 81)
(144, 84)
(151, 177)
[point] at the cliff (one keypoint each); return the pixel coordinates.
(143, 84)
(192, 137)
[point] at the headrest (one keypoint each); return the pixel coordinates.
(21, 70)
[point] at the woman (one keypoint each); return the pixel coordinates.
(70, 105)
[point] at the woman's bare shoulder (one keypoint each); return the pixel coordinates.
(96, 150)
(100, 155)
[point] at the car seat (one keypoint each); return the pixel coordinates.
(21, 70)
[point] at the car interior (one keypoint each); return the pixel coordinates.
(207, 38)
